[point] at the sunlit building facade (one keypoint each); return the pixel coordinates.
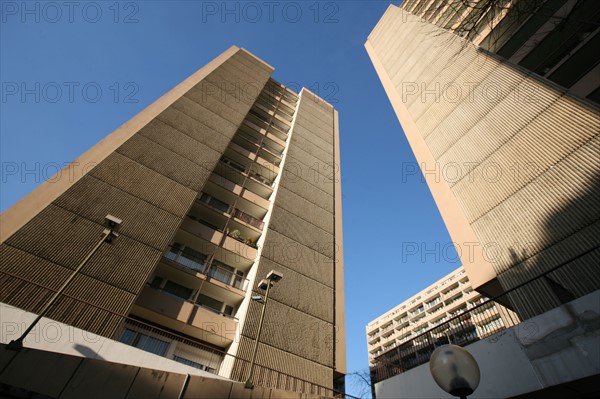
(224, 178)
(499, 103)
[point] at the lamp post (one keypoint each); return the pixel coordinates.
(265, 284)
(109, 235)
(455, 370)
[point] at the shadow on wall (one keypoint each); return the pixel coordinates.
(569, 251)
(87, 352)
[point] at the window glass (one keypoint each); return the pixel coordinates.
(177, 290)
(209, 302)
(187, 362)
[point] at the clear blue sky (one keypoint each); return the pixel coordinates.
(139, 50)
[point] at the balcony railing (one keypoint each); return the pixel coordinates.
(244, 217)
(215, 272)
(185, 259)
(247, 170)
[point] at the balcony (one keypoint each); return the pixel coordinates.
(202, 230)
(219, 212)
(259, 146)
(215, 237)
(261, 129)
(228, 190)
(245, 160)
(186, 317)
(244, 217)
(215, 274)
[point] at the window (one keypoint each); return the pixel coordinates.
(144, 342)
(209, 302)
(228, 310)
(220, 271)
(177, 290)
(156, 282)
(190, 363)
(192, 258)
(215, 203)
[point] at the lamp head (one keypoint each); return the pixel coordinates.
(112, 222)
(264, 283)
(455, 370)
(274, 276)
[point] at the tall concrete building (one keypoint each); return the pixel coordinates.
(448, 297)
(224, 178)
(499, 103)
(510, 155)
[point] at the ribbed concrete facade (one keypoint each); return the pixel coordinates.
(299, 328)
(170, 175)
(511, 158)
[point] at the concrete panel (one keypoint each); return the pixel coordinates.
(280, 394)
(292, 331)
(302, 141)
(181, 144)
(93, 199)
(241, 86)
(298, 257)
(299, 206)
(45, 377)
(308, 133)
(100, 379)
(292, 366)
(195, 129)
(238, 391)
(152, 384)
(302, 232)
(201, 114)
(301, 168)
(206, 388)
(300, 292)
(528, 149)
(303, 188)
(237, 95)
(165, 161)
(204, 96)
(144, 183)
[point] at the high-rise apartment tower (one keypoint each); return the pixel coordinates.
(499, 102)
(224, 178)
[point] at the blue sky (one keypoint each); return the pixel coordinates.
(70, 76)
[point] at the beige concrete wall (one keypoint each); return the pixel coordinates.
(148, 173)
(508, 156)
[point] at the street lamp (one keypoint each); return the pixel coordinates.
(265, 284)
(455, 370)
(109, 235)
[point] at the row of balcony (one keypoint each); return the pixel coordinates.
(230, 211)
(446, 299)
(199, 264)
(228, 242)
(197, 294)
(202, 322)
